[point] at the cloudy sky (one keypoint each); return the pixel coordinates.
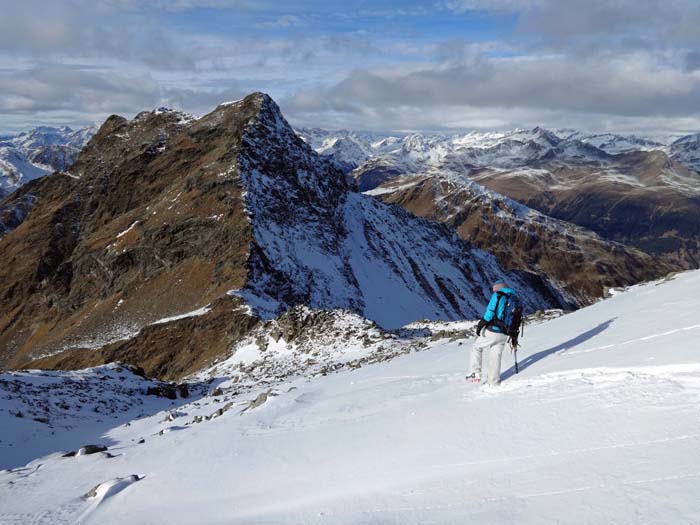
(619, 65)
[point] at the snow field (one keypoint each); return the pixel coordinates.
(600, 426)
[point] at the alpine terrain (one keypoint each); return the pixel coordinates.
(446, 272)
(172, 237)
(602, 418)
(592, 211)
(26, 156)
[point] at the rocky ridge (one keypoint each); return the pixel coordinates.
(171, 237)
(638, 192)
(582, 262)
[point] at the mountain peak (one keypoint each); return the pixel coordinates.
(260, 99)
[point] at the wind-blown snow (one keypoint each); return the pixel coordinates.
(601, 425)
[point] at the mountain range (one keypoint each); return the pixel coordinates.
(170, 237)
(221, 318)
(32, 154)
(504, 149)
(587, 210)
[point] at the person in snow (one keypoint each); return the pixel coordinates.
(492, 336)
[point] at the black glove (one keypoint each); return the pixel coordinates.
(480, 327)
(514, 341)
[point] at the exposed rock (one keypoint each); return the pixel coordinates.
(86, 450)
(259, 400)
(183, 390)
(164, 390)
(221, 411)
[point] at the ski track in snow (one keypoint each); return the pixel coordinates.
(631, 341)
(600, 426)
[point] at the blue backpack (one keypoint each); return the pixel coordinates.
(510, 316)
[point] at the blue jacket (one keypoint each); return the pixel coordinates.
(491, 313)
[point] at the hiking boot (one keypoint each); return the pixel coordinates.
(473, 378)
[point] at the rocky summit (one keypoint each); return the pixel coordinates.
(171, 238)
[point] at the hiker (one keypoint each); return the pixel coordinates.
(499, 324)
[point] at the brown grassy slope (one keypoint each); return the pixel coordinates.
(71, 279)
(584, 264)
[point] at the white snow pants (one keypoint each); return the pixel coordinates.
(493, 343)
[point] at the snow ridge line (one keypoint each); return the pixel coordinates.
(566, 352)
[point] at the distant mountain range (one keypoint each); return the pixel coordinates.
(27, 156)
(350, 149)
(627, 189)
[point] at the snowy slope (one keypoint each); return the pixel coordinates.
(686, 150)
(318, 243)
(412, 153)
(600, 426)
(45, 411)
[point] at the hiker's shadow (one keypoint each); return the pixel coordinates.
(571, 343)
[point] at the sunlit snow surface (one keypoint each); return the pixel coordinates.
(602, 425)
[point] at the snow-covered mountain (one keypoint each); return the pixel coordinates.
(508, 149)
(582, 262)
(214, 224)
(613, 143)
(600, 424)
(633, 190)
(346, 149)
(686, 150)
(32, 154)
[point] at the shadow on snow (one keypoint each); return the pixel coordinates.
(566, 345)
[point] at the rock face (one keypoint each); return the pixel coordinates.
(333, 248)
(143, 228)
(147, 250)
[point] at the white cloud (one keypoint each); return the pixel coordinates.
(614, 63)
(509, 92)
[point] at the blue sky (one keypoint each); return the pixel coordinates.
(599, 65)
